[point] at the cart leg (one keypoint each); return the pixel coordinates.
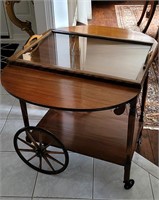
(130, 136)
(25, 116)
(24, 112)
(128, 182)
(144, 93)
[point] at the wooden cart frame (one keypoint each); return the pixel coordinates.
(92, 114)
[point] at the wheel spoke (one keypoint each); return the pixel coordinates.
(32, 157)
(48, 162)
(45, 147)
(25, 142)
(54, 152)
(40, 162)
(54, 159)
(32, 139)
(27, 150)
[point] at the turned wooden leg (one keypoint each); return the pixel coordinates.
(130, 136)
(24, 113)
(144, 93)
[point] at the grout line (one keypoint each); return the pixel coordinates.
(32, 196)
(3, 126)
(15, 197)
(10, 109)
(7, 115)
(7, 151)
(93, 180)
(144, 169)
(151, 187)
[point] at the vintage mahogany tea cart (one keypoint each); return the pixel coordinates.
(89, 78)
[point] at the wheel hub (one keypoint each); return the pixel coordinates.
(40, 151)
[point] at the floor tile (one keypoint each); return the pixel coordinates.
(146, 165)
(74, 182)
(34, 112)
(17, 179)
(14, 198)
(155, 187)
(2, 90)
(2, 122)
(58, 199)
(108, 182)
(8, 132)
(6, 102)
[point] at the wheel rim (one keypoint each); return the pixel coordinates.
(41, 150)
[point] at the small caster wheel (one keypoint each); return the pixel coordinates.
(129, 184)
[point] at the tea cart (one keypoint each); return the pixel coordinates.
(89, 78)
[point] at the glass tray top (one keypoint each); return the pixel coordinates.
(104, 58)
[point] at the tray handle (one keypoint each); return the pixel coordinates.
(30, 41)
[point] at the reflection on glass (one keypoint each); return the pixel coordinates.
(91, 55)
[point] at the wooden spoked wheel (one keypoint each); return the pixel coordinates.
(41, 150)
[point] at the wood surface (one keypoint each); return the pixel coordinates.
(110, 32)
(64, 92)
(100, 134)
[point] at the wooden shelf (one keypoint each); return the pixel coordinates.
(101, 134)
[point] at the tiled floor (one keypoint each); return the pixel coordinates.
(84, 178)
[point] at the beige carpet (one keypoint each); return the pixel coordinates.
(127, 17)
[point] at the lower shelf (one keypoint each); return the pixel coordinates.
(101, 134)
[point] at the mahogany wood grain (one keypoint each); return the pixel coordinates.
(100, 134)
(111, 32)
(149, 146)
(154, 140)
(65, 92)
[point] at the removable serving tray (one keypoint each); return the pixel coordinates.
(90, 56)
